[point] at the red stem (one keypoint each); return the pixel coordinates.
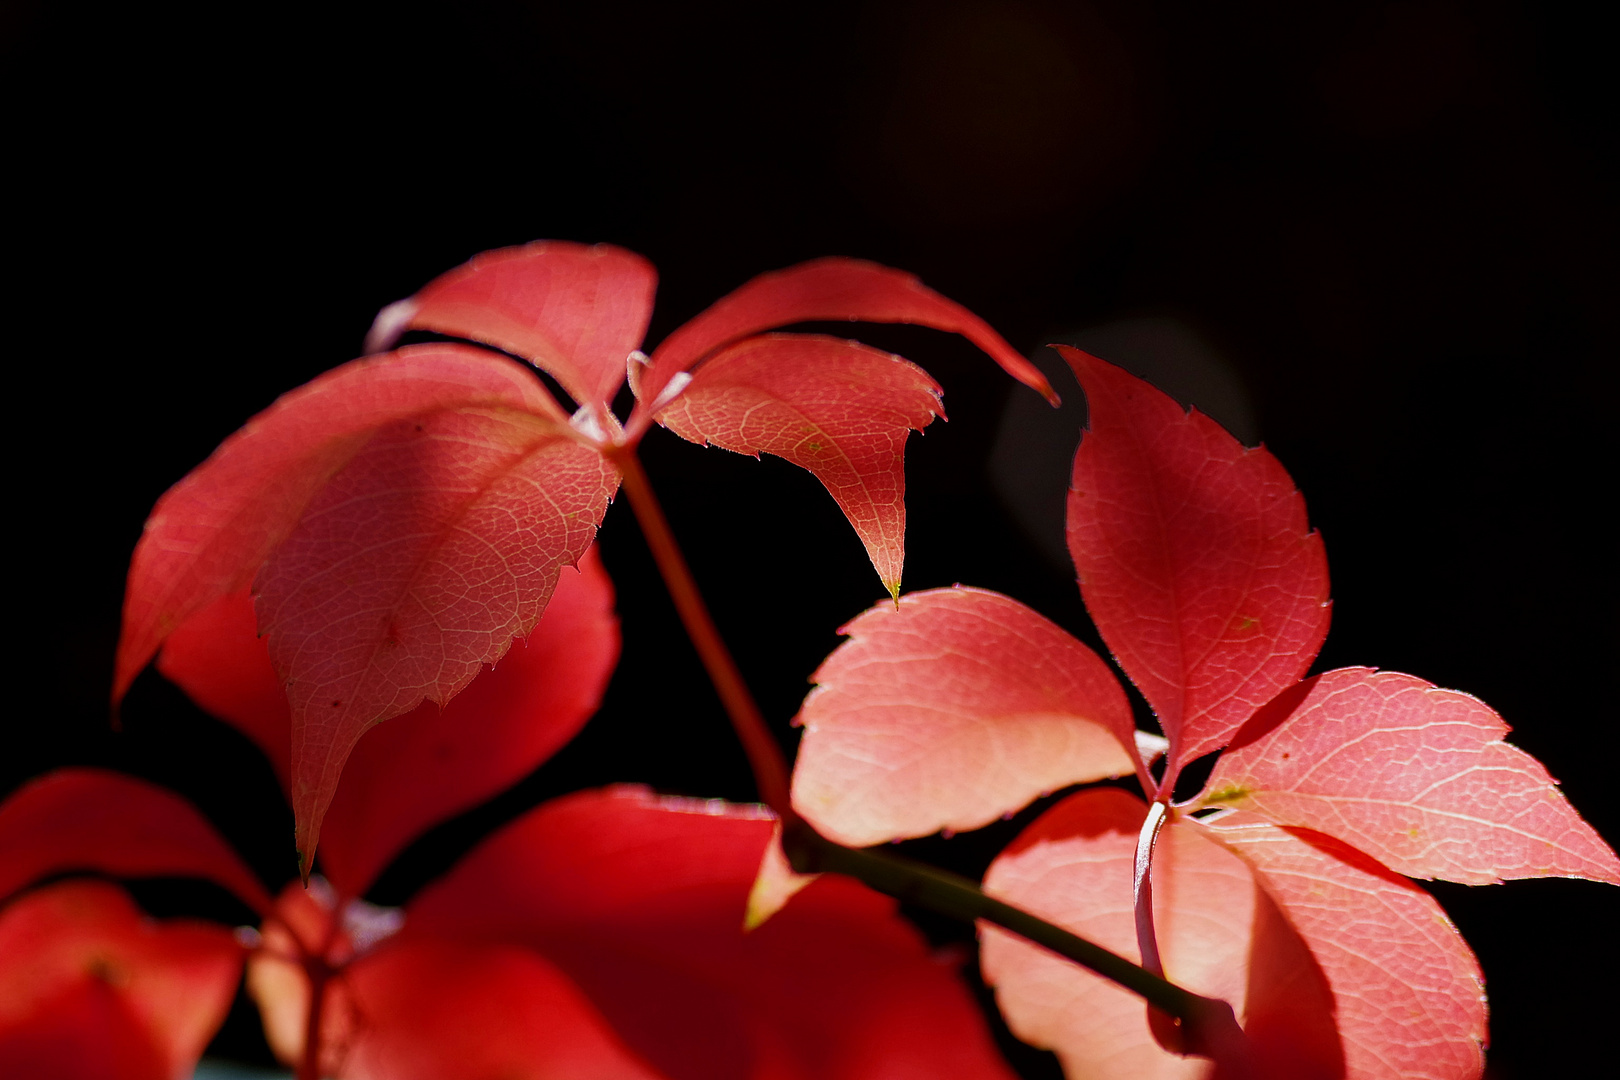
(764, 754)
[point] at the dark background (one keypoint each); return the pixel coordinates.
(1378, 236)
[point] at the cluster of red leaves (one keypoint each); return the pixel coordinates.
(1280, 887)
(358, 553)
(369, 548)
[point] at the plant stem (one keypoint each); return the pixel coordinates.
(764, 754)
(1208, 1025)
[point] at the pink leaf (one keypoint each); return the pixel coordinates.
(1415, 776)
(91, 819)
(1218, 933)
(575, 312)
(640, 900)
(957, 707)
(420, 768)
(1195, 559)
(209, 534)
(837, 408)
(828, 290)
(90, 989)
(1408, 993)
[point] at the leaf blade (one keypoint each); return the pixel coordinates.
(640, 900)
(209, 534)
(957, 707)
(574, 311)
(1195, 558)
(1415, 776)
(1408, 992)
(1218, 933)
(91, 988)
(838, 409)
(828, 290)
(94, 819)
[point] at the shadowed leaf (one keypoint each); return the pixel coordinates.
(640, 900)
(91, 819)
(90, 989)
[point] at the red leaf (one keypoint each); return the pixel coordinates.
(1409, 996)
(957, 707)
(837, 408)
(641, 901)
(1195, 559)
(1415, 776)
(575, 312)
(430, 1009)
(828, 290)
(209, 534)
(89, 988)
(416, 565)
(1218, 933)
(418, 769)
(90, 819)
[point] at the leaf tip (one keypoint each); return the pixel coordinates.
(775, 884)
(894, 591)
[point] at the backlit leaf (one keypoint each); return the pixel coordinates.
(209, 534)
(575, 312)
(827, 290)
(957, 707)
(95, 820)
(1415, 776)
(90, 989)
(431, 763)
(1408, 993)
(1218, 933)
(837, 408)
(640, 900)
(1195, 559)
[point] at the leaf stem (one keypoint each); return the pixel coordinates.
(1207, 1025)
(764, 754)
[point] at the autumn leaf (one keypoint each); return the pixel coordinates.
(827, 290)
(575, 312)
(957, 707)
(428, 1008)
(92, 989)
(1415, 776)
(431, 763)
(92, 819)
(402, 519)
(1409, 999)
(836, 408)
(1195, 559)
(1219, 933)
(640, 900)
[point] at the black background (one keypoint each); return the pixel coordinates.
(1393, 224)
